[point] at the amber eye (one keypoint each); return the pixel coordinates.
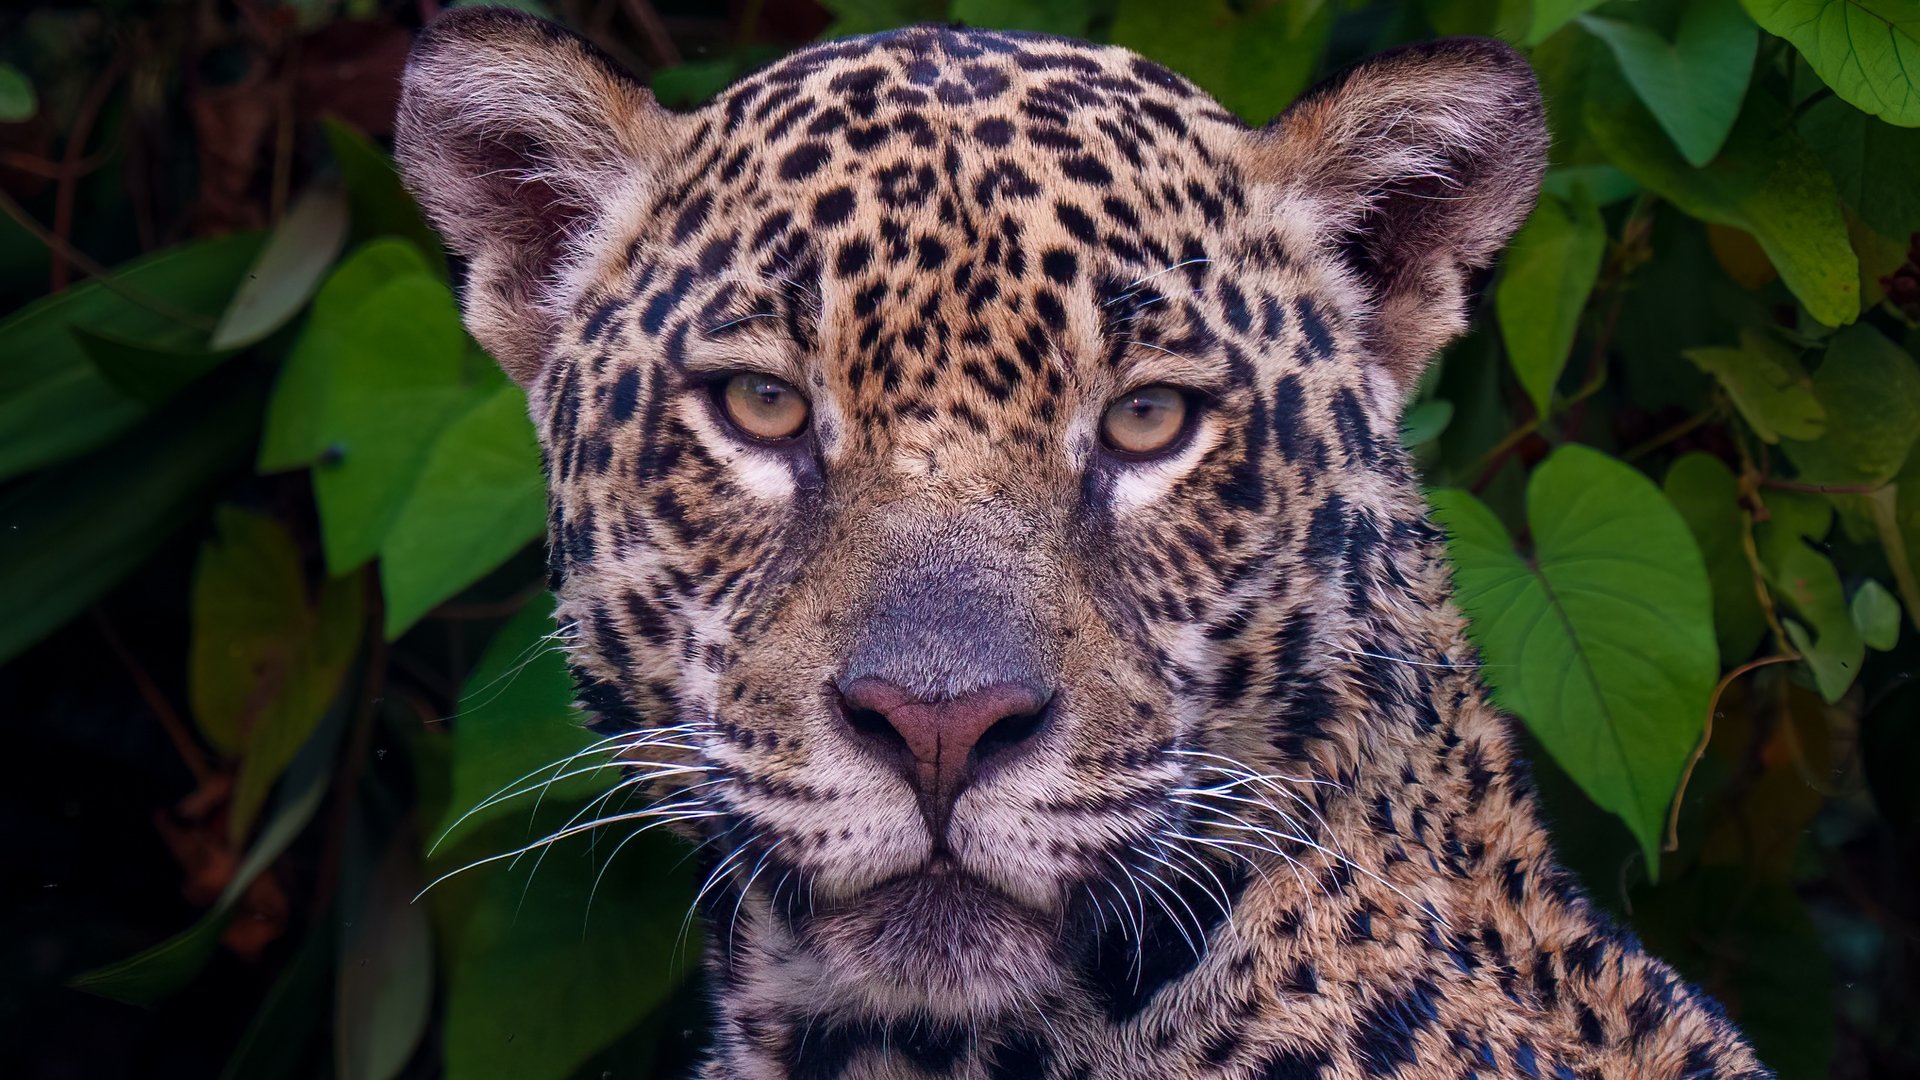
(762, 406)
(1145, 421)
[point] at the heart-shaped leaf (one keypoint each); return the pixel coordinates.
(1551, 15)
(1602, 642)
(1692, 79)
(1548, 273)
(480, 498)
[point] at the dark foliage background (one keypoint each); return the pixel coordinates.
(271, 618)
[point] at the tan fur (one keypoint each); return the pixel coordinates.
(1271, 827)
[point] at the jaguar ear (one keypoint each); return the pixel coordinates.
(1415, 167)
(516, 137)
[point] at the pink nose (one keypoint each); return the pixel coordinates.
(942, 743)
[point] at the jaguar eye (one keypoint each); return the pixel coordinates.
(763, 407)
(1146, 421)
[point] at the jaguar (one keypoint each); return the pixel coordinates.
(978, 522)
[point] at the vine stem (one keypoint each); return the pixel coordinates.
(107, 279)
(157, 703)
(1821, 489)
(1672, 842)
(1669, 435)
(1487, 465)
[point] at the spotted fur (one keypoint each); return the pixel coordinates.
(1270, 826)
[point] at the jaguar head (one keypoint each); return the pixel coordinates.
(966, 450)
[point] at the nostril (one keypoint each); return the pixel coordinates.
(870, 725)
(1010, 731)
(873, 724)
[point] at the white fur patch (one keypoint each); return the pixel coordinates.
(1143, 483)
(758, 473)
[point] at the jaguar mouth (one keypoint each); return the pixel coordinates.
(938, 939)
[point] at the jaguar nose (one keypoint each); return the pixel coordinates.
(943, 743)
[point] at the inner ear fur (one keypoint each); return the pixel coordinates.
(515, 135)
(1415, 167)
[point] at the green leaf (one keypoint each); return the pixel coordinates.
(54, 400)
(516, 720)
(1873, 164)
(1603, 641)
(147, 373)
(297, 678)
(867, 16)
(604, 950)
(1551, 15)
(1425, 422)
(1767, 384)
(1870, 389)
(1765, 182)
(383, 993)
(1067, 18)
(1806, 583)
(394, 376)
(379, 201)
(277, 1038)
(688, 85)
(249, 606)
(1692, 79)
(289, 268)
(480, 498)
(155, 974)
(1876, 615)
(1707, 494)
(59, 551)
(1544, 284)
(294, 435)
(1867, 50)
(1605, 183)
(17, 99)
(1254, 61)
(508, 930)
(1827, 639)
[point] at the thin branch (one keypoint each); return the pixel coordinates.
(1706, 735)
(1820, 489)
(157, 703)
(35, 165)
(1677, 431)
(648, 22)
(60, 247)
(1760, 590)
(71, 156)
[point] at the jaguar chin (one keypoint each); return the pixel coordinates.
(974, 456)
(938, 942)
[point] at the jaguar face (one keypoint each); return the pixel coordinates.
(957, 444)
